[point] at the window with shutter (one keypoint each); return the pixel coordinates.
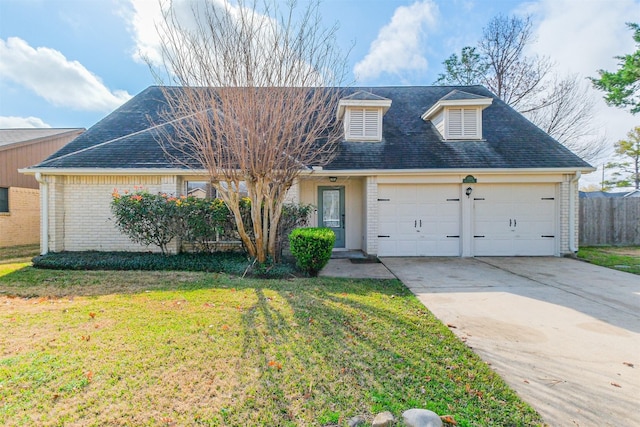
(364, 123)
(371, 123)
(455, 123)
(470, 123)
(463, 123)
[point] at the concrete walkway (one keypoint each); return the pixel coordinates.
(343, 267)
(563, 333)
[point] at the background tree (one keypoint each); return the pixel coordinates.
(514, 77)
(623, 87)
(249, 107)
(627, 169)
(567, 114)
(561, 106)
(467, 70)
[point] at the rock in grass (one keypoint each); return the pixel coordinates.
(421, 418)
(357, 421)
(383, 419)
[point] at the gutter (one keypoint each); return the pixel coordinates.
(318, 171)
(573, 247)
(44, 214)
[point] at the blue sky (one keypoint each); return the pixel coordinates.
(68, 63)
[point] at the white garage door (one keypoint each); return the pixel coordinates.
(514, 219)
(419, 220)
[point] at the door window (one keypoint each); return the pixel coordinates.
(331, 208)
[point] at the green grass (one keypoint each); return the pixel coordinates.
(173, 348)
(18, 253)
(619, 258)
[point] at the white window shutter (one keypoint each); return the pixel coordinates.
(356, 122)
(470, 122)
(463, 123)
(371, 123)
(455, 123)
(363, 124)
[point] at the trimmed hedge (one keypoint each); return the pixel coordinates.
(312, 248)
(227, 262)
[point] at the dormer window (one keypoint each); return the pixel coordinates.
(362, 114)
(458, 115)
(464, 123)
(363, 123)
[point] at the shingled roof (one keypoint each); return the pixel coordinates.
(126, 138)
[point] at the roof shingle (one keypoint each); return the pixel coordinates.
(126, 138)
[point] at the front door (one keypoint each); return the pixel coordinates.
(331, 211)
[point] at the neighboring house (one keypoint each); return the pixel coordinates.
(422, 171)
(19, 194)
(606, 195)
(200, 193)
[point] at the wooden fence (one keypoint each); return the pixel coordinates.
(610, 221)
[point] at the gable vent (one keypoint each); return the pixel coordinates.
(364, 123)
(463, 123)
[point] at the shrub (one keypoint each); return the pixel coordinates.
(230, 263)
(293, 216)
(311, 248)
(157, 219)
(147, 218)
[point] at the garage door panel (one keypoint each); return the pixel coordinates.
(515, 219)
(420, 221)
(499, 246)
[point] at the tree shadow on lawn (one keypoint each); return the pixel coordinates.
(317, 351)
(330, 353)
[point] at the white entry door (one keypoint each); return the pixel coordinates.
(514, 219)
(419, 220)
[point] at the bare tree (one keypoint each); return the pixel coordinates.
(512, 76)
(566, 111)
(256, 102)
(562, 107)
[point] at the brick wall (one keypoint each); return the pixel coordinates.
(80, 213)
(371, 214)
(21, 226)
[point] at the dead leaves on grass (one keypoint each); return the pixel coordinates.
(274, 364)
(448, 419)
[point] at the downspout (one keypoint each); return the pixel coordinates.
(44, 213)
(573, 247)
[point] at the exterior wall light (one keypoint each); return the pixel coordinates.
(468, 192)
(333, 178)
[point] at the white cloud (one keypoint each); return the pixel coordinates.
(155, 39)
(583, 37)
(62, 82)
(146, 16)
(142, 24)
(399, 45)
(11, 122)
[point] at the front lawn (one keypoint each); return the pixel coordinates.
(176, 348)
(619, 258)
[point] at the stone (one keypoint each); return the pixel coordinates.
(357, 421)
(421, 418)
(383, 419)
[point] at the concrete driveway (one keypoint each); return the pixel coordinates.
(563, 333)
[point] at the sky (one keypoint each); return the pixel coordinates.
(69, 63)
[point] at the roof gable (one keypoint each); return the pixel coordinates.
(457, 98)
(18, 136)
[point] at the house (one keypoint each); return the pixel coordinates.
(19, 194)
(606, 195)
(198, 192)
(421, 171)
